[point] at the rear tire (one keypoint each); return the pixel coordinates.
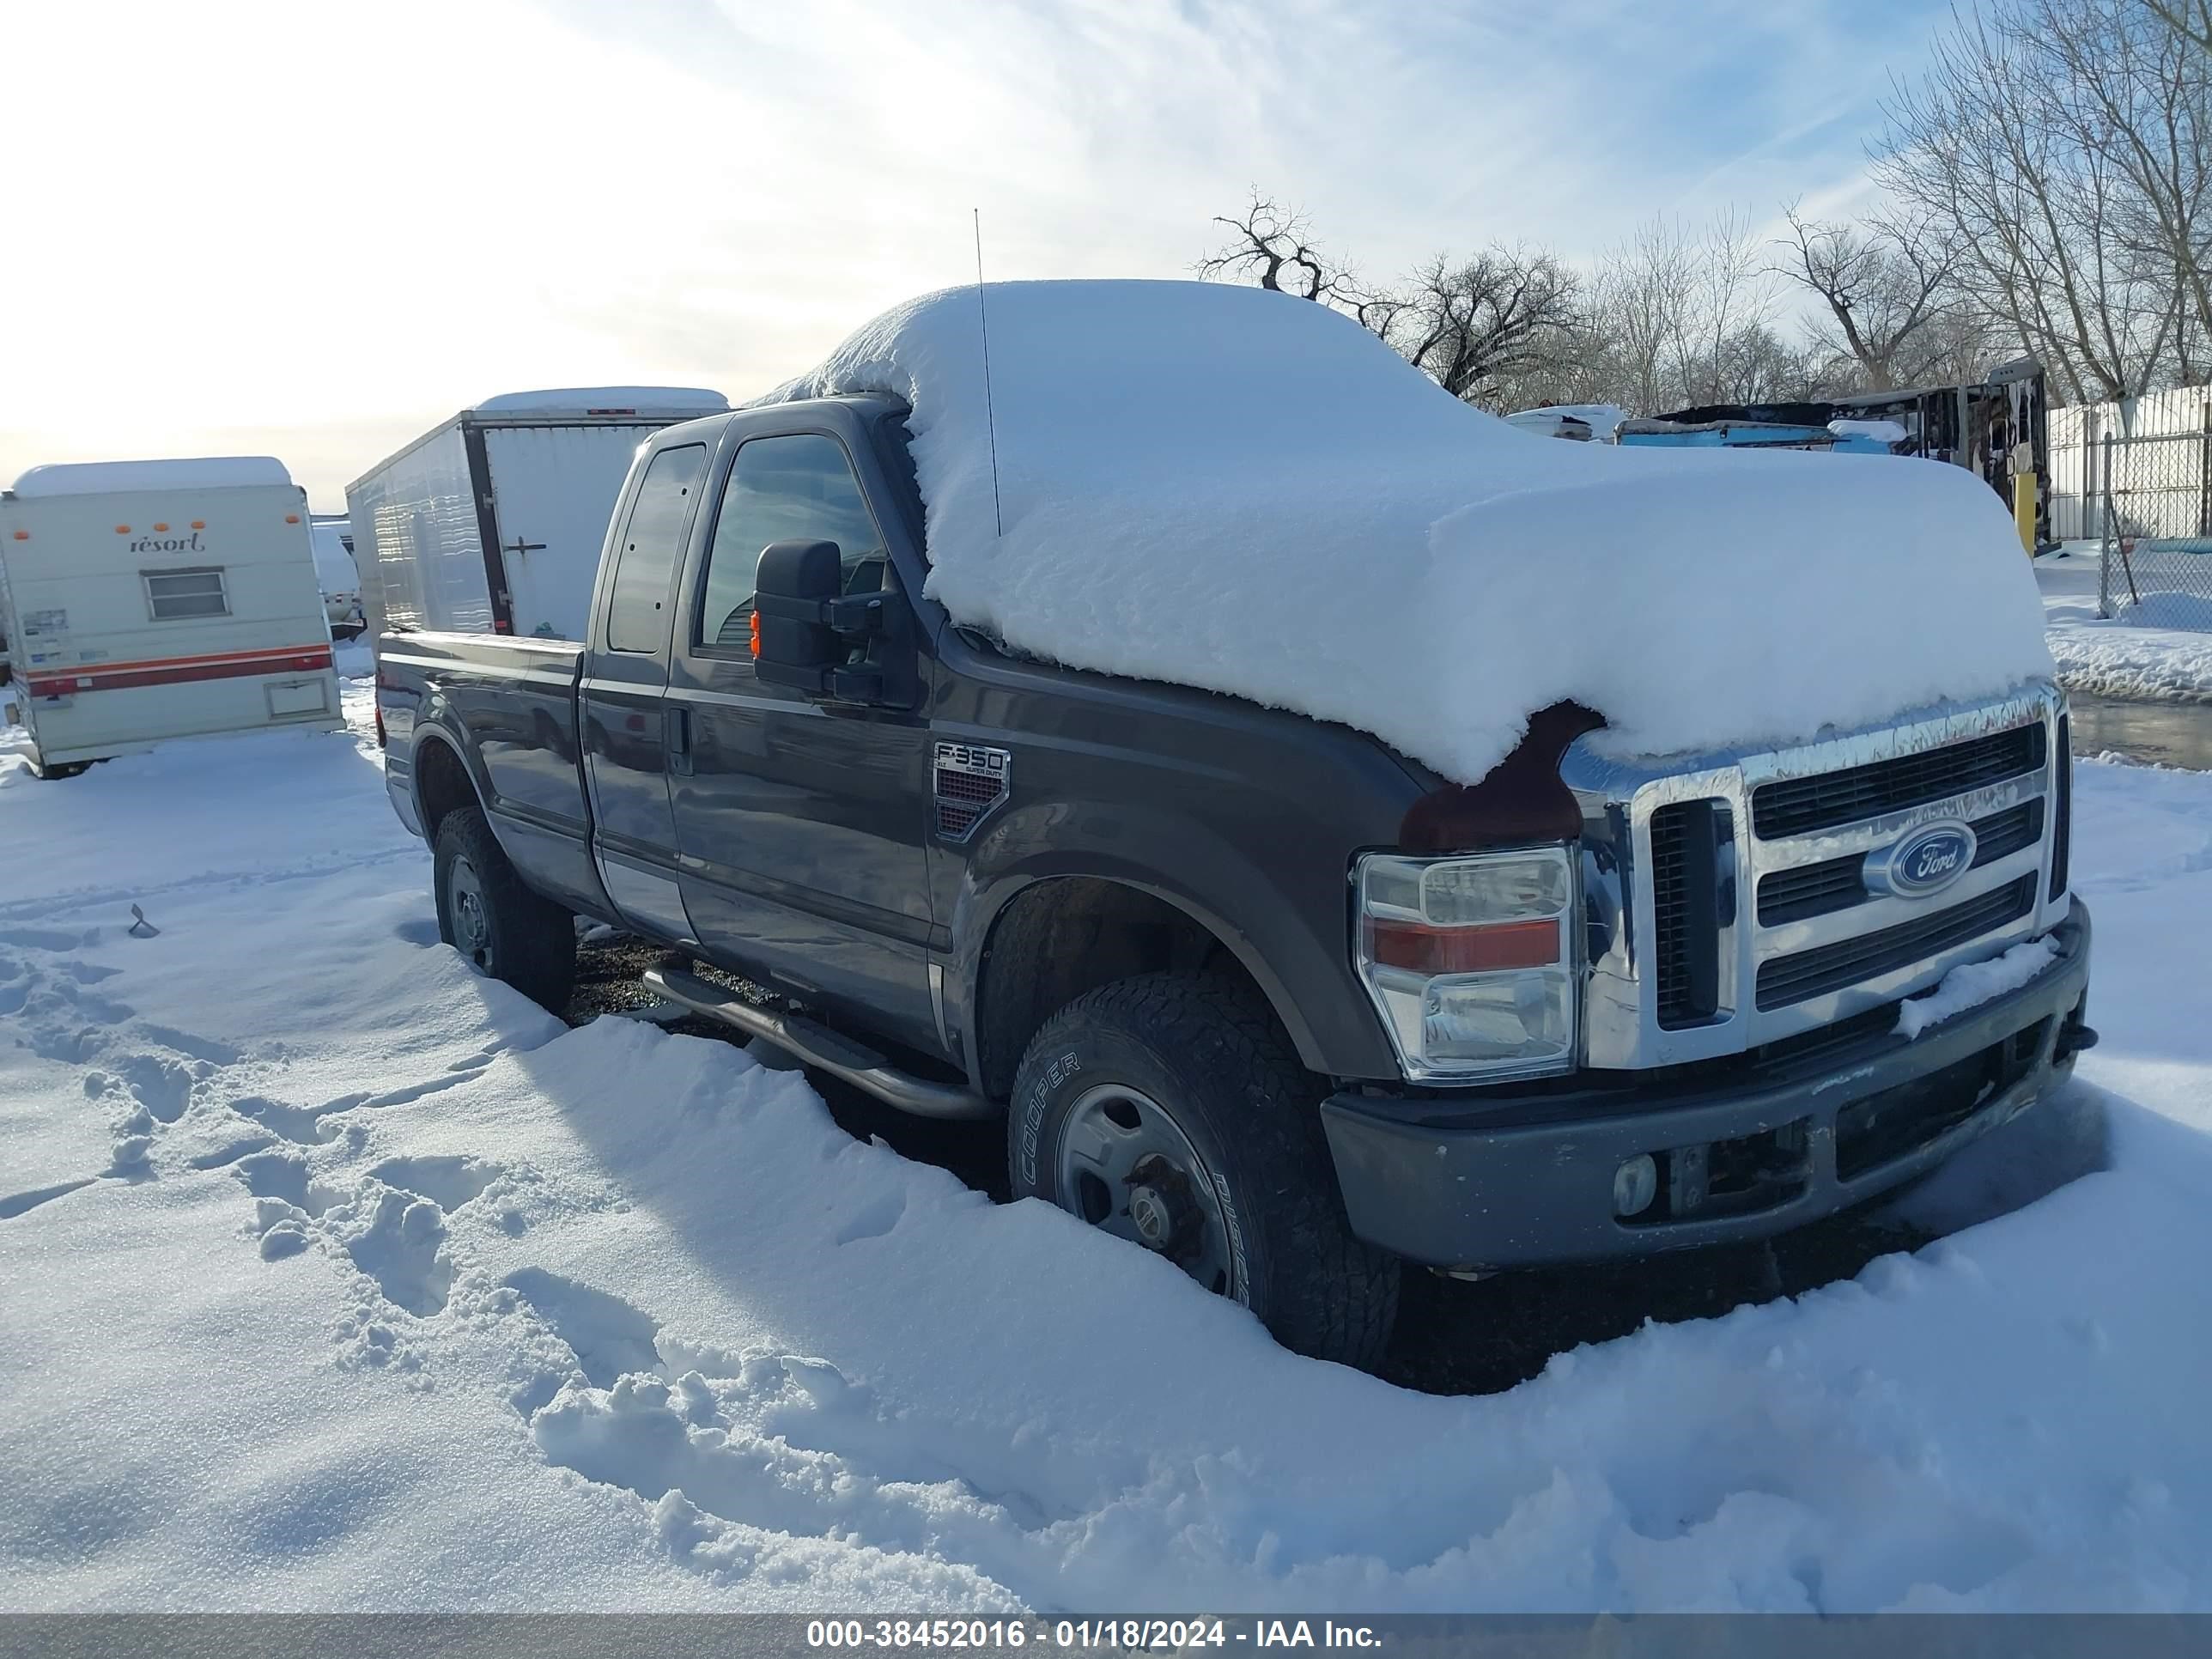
(1172, 1110)
(505, 931)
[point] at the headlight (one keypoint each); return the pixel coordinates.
(1470, 962)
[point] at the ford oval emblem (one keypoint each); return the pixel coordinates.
(1926, 861)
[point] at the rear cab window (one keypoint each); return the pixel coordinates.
(651, 549)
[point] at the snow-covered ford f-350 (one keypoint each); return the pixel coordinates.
(1333, 829)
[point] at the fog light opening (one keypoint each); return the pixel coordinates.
(1635, 1184)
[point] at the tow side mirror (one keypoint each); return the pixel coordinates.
(792, 642)
(807, 634)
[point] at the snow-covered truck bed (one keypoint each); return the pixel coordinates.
(1331, 828)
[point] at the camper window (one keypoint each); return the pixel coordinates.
(176, 595)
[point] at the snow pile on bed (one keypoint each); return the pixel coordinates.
(1230, 489)
(1888, 432)
(600, 400)
(1603, 419)
(111, 478)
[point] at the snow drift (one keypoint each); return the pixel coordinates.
(1233, 489)
(333, 1276)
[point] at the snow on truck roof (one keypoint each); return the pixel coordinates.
(597, 399)
(1234, 489)
(113, 478)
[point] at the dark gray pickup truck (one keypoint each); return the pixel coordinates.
(1251, 990)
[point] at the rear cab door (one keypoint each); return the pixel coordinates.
(623, 727)
(803, 821)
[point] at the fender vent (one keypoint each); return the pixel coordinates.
(966, 782)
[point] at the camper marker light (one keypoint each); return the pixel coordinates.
(122, 530)
(291, 518)
(199, 524)
(22, 535)
(160, 527)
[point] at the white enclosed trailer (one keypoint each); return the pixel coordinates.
(492, 522)
(147, 600)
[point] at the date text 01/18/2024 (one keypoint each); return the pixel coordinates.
(1087, 1633)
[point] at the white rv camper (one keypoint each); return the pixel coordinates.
(147, 600)
(335, 570)
(493, 522)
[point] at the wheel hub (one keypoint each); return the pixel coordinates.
(1149, 1213)
(1126, 1167)
(471, 925)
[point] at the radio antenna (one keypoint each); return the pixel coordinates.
(990, 415)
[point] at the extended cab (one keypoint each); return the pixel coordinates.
(1253, 990)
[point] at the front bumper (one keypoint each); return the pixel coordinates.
(1527, 1180)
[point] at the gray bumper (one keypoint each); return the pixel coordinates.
(1527, 1180)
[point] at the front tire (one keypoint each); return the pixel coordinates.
(504, 930)
(1171, 1111)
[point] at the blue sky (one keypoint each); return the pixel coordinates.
(316, 229)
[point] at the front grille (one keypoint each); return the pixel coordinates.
(2002, 833)
(1804, 975)
(1798, 807)
(1833, 885)
(2061, 830)
(1686, 839)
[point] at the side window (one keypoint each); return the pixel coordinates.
(796, 487)
(176, 595)
(652, 546)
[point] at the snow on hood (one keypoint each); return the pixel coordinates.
(109, 478)
(1233, 489)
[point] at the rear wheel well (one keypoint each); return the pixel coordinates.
(1062, 937)
(441, 783)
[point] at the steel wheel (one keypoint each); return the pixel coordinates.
(464, 900)
(1126, 1166)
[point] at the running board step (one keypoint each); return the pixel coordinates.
(819, 1046)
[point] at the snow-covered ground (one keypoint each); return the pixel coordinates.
(2161, 649)
(332, 1276)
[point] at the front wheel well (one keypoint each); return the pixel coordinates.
(1065, 935)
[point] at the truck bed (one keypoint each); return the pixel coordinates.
(516, 699)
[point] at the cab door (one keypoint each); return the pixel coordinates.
(802, 822)
(620, 700)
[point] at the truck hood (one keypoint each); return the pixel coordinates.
(1232, 489)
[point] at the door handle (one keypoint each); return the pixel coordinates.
(676, 721)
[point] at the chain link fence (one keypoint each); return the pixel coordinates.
(2152, 508)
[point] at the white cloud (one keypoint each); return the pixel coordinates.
(315, 229)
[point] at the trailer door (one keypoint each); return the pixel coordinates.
(553, 487)
(619, 700)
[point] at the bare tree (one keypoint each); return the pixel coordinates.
(1268, 245)
(1472, 323)
(1998, 145)
(2133, 85)
(1888, 288)
(1640, 305)
(1731, 289)
(2189, 19)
